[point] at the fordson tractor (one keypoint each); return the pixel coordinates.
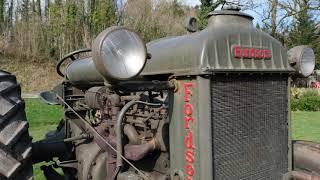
(212, 104)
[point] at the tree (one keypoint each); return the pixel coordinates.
(102, 15)
(176, 8)
(206, 7)
(48, 29)
(106, 16)
(92, 15)
(39, 8)
(46, 8)
(2, 9)
(274, 7)
(10, 21)
(303, 30)
(25, 5)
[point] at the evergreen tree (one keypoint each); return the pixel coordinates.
(106, 14)
(303, 30)
(303, 33)
(206, 7)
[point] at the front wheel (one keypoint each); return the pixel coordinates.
(15, 142)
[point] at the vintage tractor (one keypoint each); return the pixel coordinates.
(213, 104)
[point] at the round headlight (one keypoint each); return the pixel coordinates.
(302, 59)
(119, 53)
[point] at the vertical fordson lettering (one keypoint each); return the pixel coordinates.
(189, 121)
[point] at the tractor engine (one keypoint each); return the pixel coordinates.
(212, 104)
(143, 128)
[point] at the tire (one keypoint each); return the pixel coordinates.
(15, 142)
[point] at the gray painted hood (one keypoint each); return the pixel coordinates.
(211, 50)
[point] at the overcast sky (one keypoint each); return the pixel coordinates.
(192, 2)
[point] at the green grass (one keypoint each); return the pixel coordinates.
(306, 126)
(42, 118)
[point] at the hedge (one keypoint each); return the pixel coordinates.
(306, 103)
(305, 100)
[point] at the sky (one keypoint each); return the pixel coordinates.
(256, 20)
(192, 2)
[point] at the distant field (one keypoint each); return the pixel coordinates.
(42, 118)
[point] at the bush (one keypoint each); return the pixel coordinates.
(306, 102)
(298, 92)
(309, 92)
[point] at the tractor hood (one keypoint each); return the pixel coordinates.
(230, 43)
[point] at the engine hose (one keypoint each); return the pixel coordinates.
(119, 127)
(87, 126)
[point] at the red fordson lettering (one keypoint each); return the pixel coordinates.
(188, 139)
(251, 53)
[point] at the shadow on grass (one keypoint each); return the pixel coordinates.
(42, 118)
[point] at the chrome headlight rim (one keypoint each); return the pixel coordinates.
(296, 60)
(99, 61)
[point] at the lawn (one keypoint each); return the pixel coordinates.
(306, 126)
(42, 118)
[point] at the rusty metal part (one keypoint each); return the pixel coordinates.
(94, 97)
(175, 83)
(130, 98)
(132, 134)
(137, 152)
(82, 123)
(297, 175)
(80, 137)
(110, 160)
(306, 155)
(162, 136)
(68, 164)
(119, 127)
(128, 175)
(113, 103)
(146, 85)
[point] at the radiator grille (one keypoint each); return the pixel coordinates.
(249, 126)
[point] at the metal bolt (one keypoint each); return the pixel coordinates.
(165, 165)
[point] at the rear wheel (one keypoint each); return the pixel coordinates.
(15, 142)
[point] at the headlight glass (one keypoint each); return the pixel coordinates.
(119, 53)
(307, 62)
(302, 59)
